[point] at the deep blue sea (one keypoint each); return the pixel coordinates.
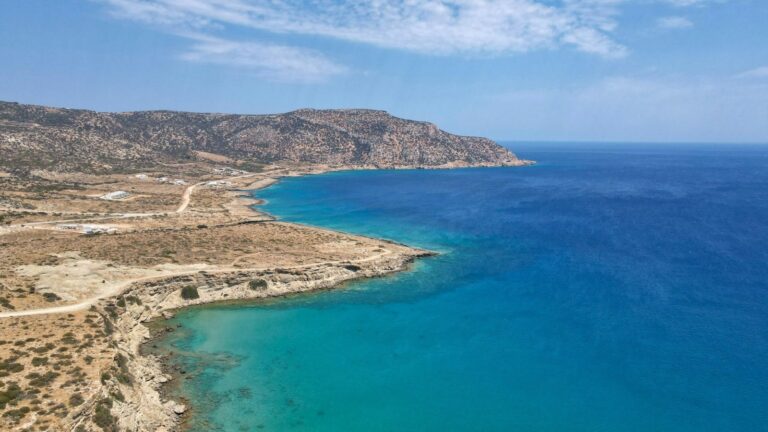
(607, 288)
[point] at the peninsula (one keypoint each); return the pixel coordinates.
(110, 220)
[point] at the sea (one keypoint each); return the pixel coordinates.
(609, 287)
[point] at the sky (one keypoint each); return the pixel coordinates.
(511, 70)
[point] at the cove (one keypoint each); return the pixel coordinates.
(606, 288)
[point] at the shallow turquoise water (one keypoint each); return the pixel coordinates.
(605, 289)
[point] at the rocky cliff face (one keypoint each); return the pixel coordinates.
(78, 140)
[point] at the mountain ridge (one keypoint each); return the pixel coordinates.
(64, 139)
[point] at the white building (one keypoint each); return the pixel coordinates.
(89, 229)
(116, 195)
(217, 183)
(229, 171)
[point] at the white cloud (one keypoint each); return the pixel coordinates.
(274, 62)
(469, 28)
(685, 3)
(761, 72)
(691, 3)
(435, 27)
(674, 23)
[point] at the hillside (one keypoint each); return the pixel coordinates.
(79, 140)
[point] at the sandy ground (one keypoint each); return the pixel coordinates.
(72, 306)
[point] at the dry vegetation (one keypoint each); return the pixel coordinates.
(86, 141)
(71, 369)
(50, 369)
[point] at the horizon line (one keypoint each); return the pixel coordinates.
(618, 142)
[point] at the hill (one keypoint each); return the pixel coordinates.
(72, 140)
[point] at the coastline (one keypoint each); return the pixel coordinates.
(108, 290)
(147, 405)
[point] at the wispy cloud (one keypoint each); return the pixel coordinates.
(273, 62)
(435, 27)
(761, 72)
(197, 20)
(688, 3)
(469, 28)
(674, 23)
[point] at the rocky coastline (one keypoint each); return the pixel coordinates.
(145, 406)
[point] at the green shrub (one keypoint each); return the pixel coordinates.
(118, 395)
(11, 393)
(51, 297)
(123, 375)
(111, 311)
(38, 380)
(11, 366)
(103, 417)
(69, 339)
(47, 347)
(75, 400)
(189, 293)
(257, 284)
(17, 414)
(6, 303)
(133, 300)
(39, 361)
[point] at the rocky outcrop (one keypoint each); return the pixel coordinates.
(88, 141)
(142, 407)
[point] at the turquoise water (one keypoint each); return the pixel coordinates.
(608, 288)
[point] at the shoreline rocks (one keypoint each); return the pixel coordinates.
(144, 408)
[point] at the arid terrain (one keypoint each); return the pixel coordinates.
(108, 221)
(67, 140)
(73, 303)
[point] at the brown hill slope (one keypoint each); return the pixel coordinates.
(79, 140)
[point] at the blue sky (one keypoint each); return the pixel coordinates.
(567, 70)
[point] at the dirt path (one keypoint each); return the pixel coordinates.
(186, 197)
